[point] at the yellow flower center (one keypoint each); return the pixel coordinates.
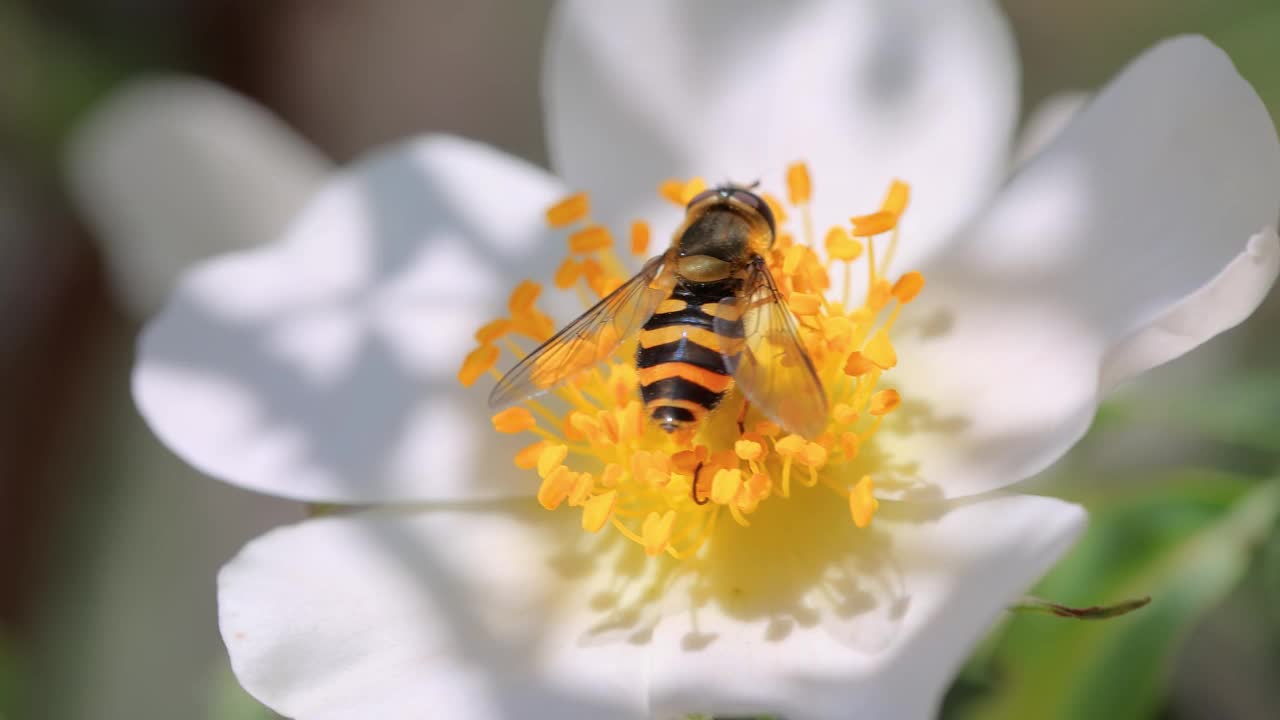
(598, 452)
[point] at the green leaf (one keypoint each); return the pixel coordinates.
(1241, 409)
(1187, 546)
(1250, 40)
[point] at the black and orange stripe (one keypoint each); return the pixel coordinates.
(681, 357)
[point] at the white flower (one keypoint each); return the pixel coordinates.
(171, 169)
(322, 367)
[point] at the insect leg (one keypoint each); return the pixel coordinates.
(693, 487)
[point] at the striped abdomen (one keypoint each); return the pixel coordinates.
(680, 358)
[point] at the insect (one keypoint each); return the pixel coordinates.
(708, 317)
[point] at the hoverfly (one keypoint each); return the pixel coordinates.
(708, 316)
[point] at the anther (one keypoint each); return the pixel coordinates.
(840, 246)
(656, 531)
(874, 224)
(493, 330)
(477, 363)
(672, 191)
(805, 303)
(527, 458)
(850, 444)
(555, 488)
(908, 286)
(844, 414)
(550, 458)
(725, 485)
(523, 297)
(858, 364)
(748, 450)
(862, 502)
(569, 210)
(596, 511)
(568, 273)
(691, 189)
(895, 200)
(590, 239)
(884, 402)
(639, 238)
(514, 420)
(880, 350)
(798, 188)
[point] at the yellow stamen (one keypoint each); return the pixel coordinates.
(514, 420)
(798, 187)
(895, 200)
(749, 450)
(692, 188)
(523, 297)
(590, 239)
(477, 363)
(840, 246)
(880, 351)
(672, 191)
(639, 238)
(569, 210)
(568, 273)
(858, 364)
(527, 458)
(596, 511)
(725, 486)
(595, 447)
(805, 303)
(555, 488)
(885, 402)
(863, 503)
(844, 414)
(908, 286)
(850, 444)
(656, 531)
(874, 224)
(551, 457)
(493, 330)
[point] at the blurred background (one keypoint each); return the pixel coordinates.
(109, 545)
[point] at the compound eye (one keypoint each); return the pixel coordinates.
(709, 193)
(754, 201)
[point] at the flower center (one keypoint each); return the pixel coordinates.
(599, 452)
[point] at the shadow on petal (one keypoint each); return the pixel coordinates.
(324, 367)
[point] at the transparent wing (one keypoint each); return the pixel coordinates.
(773, 369)
(589, 339)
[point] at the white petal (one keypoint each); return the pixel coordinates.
(1222, 303)
(502, 614)
(464, 614)
(864, 91)
(1046, 122)
(171, 170)
(1127, 242)
(323, 367)
(926, 583)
